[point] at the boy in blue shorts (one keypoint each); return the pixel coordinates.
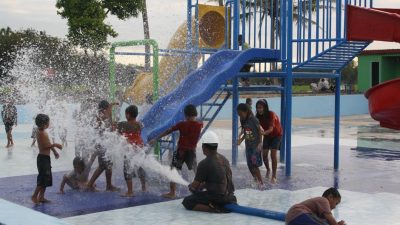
(253, 140)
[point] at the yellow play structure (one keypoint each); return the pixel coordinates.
(211, 30)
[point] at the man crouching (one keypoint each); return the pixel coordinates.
(212, 187)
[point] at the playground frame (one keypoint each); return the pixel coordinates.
(311, 36)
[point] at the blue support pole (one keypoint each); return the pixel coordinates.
(243, 22)
(288, 88)
(338, 20)
(283, 81)
(235, 94)
(337, 123)
(236, 25)
(235, 127)
(283, 119)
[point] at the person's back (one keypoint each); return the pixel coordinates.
(217, 174)
(132, 131)
(189, 134)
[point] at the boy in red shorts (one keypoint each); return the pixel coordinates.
(189, 134)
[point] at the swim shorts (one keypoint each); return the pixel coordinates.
(253, 157)
(44, 179)
(272, 143)
(184, 156)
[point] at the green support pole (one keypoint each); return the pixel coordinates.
(112, 85)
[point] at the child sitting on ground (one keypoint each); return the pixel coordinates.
(104, 120)
(315, 211)
(253, 140)
(44, 179)
(131, 129)
(189, 134)
(78, 177)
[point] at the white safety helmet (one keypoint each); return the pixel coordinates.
(210, 138)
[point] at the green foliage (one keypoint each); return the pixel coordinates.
(75, 73)
(86, 19)
(349, 73)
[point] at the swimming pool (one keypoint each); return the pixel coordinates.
(317, 106)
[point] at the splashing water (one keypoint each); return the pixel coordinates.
(66, 113)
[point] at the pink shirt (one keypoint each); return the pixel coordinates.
(317, 206)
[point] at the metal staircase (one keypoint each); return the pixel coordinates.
(334, 58)
(212, 108)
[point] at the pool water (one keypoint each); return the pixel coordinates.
(368, 182)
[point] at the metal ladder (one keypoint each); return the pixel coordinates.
(334, 58)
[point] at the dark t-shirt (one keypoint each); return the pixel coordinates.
(189, 134)
(215, 171)
(251, 128)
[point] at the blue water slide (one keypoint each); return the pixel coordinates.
(199, 86)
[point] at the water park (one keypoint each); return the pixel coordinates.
(252, 112)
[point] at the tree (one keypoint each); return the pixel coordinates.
(86, 26)
(349, 73)
(146, 31)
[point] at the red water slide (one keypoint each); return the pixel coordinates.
(373, 24)
(384, 103)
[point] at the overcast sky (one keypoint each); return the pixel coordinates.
(164, 16)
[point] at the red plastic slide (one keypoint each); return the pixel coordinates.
(384, 103)
(364, 24)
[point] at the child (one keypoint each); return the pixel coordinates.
(78, 177)
(44, 179)
(9, 115)
(62, 133)
(189, 134)
(272, 136)
(104, 120)
(249, 102)
(253, 140)
(34, 133)
(131, 129)
(315, 211)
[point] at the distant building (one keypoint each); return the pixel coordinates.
(377, 66)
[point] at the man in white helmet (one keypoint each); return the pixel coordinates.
(212, 187)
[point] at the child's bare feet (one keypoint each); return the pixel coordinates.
(91, 188)
(113, 188)
(128, 195)
(169, 195)
(44, 200)
(274, 180)
(35, 200)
